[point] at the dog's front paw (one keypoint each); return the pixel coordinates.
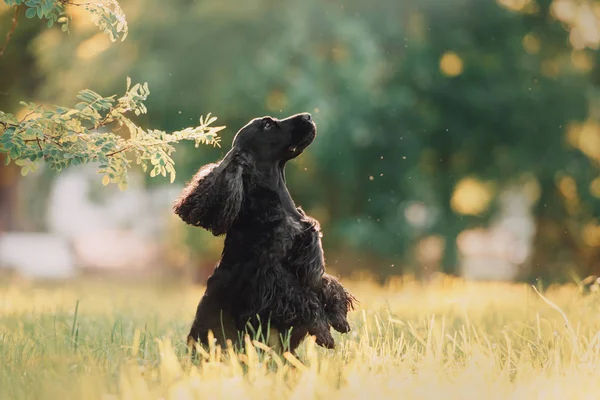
(323, 335)
(326, 340)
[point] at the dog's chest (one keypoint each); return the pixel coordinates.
(294, 225)
(298, 234)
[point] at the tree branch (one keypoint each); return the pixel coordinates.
(80, 4)
(11, 31)
(29, 114)
(118, 151)
(104, 120)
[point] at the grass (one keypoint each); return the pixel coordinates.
(450, 339)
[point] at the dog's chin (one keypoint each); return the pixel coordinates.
(297, 149)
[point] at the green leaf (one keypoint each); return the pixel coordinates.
(15, 152)
(30, 13)
(47, 7)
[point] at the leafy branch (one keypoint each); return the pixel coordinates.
(63, 136)
(106, 14)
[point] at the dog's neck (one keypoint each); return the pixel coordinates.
(273, 177)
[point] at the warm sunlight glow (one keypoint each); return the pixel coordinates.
(531, 43)
(573, 131)
(471, 197)
(531, 188)
(568, 187)
(583, 20)
(564, 10)
(95, 45)
(26, 115)
(424, 200)
(591, 235)
(430, 250)
(595, 188)
(451, 64)
(80, 20)
(550, 68)
(589, 140)
(515, 5)
(582, 61)
(276, 100)
(447, 339)
(585, 137)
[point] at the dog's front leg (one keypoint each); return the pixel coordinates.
(337, 302)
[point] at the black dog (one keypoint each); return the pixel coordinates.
(272, 267)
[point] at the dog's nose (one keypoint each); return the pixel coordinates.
(307, 116)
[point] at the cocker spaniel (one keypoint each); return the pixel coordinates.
(272, 269)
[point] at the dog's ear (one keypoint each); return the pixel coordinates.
(214, 197)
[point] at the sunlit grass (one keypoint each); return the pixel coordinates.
(449, 339)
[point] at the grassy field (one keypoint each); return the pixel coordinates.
(450, 339)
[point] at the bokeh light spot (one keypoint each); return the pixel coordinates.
(451, 64)
(471, 197)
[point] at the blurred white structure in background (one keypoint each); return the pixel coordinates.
(37, 255)
(92, 227)
(499, 252)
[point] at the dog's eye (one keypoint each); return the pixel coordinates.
(267, 124)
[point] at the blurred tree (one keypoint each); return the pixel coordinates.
(493, 92)
(20, 81)
(425, 110)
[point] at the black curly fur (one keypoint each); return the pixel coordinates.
(272, 266)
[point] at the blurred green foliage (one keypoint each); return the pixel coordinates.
(411, 99)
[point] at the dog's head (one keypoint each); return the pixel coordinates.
(272, 140)
(214, 197)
